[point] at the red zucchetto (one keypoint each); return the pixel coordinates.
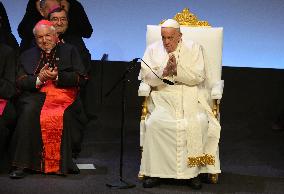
(44, 22)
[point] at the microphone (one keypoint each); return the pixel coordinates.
(104, 57)
(135, 60)
(166, 81)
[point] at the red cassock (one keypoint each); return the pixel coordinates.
(51, 122)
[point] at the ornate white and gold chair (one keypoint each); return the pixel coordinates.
(211, 40)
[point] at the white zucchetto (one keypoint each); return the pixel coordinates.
(170, 23)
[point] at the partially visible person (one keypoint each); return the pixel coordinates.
(59, 18)
(49, 78)
(35, 11)
(7, 92)
(45, 6)
(8, 56)
(6, 35)
(79, 23)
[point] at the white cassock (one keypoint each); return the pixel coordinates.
(182, 134)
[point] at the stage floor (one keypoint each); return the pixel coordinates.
(252, 158)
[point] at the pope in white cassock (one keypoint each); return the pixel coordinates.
(182, 134)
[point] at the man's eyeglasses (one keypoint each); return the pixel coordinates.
(56, 19)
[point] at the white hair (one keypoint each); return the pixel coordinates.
(43, 25)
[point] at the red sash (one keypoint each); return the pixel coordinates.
(2, 105)
(51, 122)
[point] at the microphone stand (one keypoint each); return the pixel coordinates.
(122, 184)
(104, 58)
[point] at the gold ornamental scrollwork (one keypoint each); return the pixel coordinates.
(186, 18)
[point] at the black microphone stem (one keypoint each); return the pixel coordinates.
(164, 80)
(150, 69)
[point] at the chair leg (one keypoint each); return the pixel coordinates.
(213, 178)
(209, 178)
(141, 176)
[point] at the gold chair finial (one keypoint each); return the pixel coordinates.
(186, 18)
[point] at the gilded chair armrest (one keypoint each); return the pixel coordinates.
(144, 90)
(216, 108)
(142, 122)
(217, 90)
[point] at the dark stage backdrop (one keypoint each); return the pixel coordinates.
(253, 29)
(248, 93)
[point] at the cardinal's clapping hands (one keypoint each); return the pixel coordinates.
(47, 73)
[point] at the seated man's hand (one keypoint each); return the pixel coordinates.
(47, 73)
(171, 68)
(173, 65)
(42, 77)
(166, 72)
(51, 73)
